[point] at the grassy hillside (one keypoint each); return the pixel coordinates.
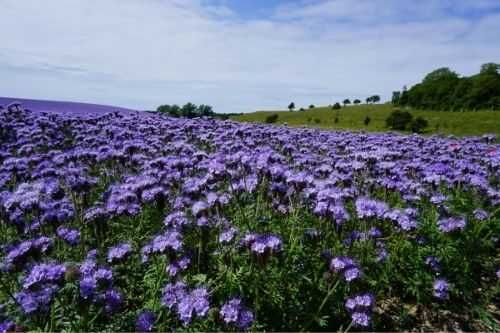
(352, 118)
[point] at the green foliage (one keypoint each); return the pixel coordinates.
(272, 118)
(188, 110)
(317, 120)
(443, 89)
(336, 106)
(291, 106)
(367, 120)
(399, 120)
(356, 101)
(418, 125)
(311, 106)
(346, 101)
(457, 123)
(373, 99)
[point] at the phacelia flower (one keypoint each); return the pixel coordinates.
(451, 224)
(234, 313)
(441, 289)
(145, 321)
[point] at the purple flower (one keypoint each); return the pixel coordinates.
(368, 208)
(345, 266)
(451, 224)
(145, 321)
(70, 236)
(88, 287)
(360, 319)
(177, 266)
(119, 252)
(441, 289)
(33, 301)
(44, 273)
(7, 326)
(234, 313)
(194, 303)
(480, 214)
(262, 245)
(113, 301)
(172, 240)
(227, 235)
(433, 263)
(360, 303)
(172, 293)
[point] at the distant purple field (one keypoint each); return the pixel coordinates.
(61, 107)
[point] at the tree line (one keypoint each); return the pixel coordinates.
(337, 105)
(188, 110)
(444, 89)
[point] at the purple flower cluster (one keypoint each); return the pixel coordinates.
(441, 289)
(39, 287)
(345, 266)
(119, 252)
(360, 308)
(145, 321)
(262, 245)
(233, 312)
(451, 224)
(186, 303)
(17, 255)
(96, 285)
(70, 236)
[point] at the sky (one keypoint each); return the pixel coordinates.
(237, 55)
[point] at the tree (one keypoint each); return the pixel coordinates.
(418, 125)
(311, 106)
(336, 106)
(368, 100)
(367, 120)
(272, 118)
(398, 120)
(346, 101)
(188, 110)
(396, 96)
(356, 101)
(291, 106)
(205, 110)
(490, 68)
(375, 98)
(443, 89)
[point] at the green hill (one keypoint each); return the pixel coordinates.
(352, 118)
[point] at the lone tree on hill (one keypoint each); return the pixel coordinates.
(346, 102)
(291, 106)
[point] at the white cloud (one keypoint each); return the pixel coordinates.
(142, 53)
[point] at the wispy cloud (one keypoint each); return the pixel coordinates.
(142, 53)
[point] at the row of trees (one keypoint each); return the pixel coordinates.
(347, 101)
(444, 89)
(188, 110)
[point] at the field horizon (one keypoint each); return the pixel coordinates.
(466, 123)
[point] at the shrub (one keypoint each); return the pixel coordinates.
(317, 120)
(399, 120)
(367, 120)
(272, 118)
(418, 125)
(309, 119)
(302, 109)
(336, 120)
(336, 106)
(311, 106)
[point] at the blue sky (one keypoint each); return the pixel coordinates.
(237, 55)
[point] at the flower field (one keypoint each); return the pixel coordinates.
(126, 221)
